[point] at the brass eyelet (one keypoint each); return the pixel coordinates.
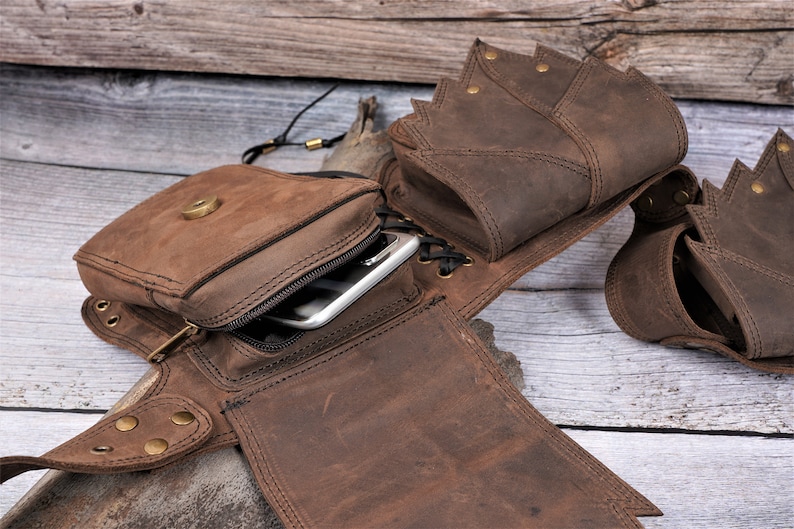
(420, 261)
(102, 305)
(113, 321)
(100, 450)
(439, 274)
(469, 261)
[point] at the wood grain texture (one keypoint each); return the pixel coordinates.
(736, 51)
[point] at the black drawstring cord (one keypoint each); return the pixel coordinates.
(250, 155)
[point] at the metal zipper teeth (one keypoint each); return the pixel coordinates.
(269, 347)
(293, 287)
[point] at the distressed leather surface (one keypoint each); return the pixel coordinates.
(393, 414)
(721, 276)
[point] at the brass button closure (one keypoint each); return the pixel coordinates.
(126, 423)
(681, 197)
(181, 418)
(473, 89)
(201, 207)
(154, 447)
(784, 147)
(757, 187)
(490, 55)
(542, 67)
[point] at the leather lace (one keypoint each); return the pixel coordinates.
(431, 248)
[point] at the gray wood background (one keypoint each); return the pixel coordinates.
(83, 138)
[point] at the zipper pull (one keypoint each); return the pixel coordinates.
(159, 354)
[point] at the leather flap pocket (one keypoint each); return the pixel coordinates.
(218, 244)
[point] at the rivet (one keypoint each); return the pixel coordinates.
(112, 321)
(645, 202)
(757, 187)
(201, 207)
(473, 89)
(490, 55)
(182, 418)
(99, 450)
(542, 67)
(126, 423)
(681, 197)
(783, 147)
(102, 305)
(155, 446)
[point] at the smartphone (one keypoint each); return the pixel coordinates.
(324, 298)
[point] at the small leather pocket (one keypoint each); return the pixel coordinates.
(222, 245)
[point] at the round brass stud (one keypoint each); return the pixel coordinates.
(154, 447)
(490, 55)
(201, 207)
(645, 202)
(473, 89)
(99, 450)
(113, 321)
(126, 423)
(681, 197)
(542, 67)
(757, 187)
(181, 418)
(102, 305)
(783, 147)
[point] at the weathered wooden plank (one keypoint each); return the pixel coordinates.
(183, 123)
(580, 369)
(713, 50)
(699, 481)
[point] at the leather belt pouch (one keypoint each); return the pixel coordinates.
(720, 276)
(393, 414)
(524, 155)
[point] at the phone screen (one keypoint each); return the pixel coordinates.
(324, 298)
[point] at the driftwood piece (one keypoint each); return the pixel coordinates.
(710, 50)
(214, 490)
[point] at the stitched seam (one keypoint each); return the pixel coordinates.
(282, 501)
(562, 446)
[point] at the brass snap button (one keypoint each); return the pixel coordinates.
(542, 67)
(154, 447)
(201, 207)
(473, 89)
(757, 187)
(126, 423)
(783, 147)
(181, 418)
(681, 197)
(645, 203)
(490, 55)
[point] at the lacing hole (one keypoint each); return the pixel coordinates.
(420, 261)
(99, 450)
(676, 260)
(442, 276)
(113, 321)
(102, 305)
(469, 261)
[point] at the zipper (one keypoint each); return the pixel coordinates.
(159, 354)
(299, 283)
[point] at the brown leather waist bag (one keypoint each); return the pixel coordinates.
(720, 276)
(393, 414)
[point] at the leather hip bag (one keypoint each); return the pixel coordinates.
(719, 276)
(393, 414)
